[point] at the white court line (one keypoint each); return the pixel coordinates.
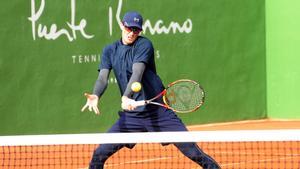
(145, 160)
(255, 121)
(222, 165)
(255, 161)
(149, 160)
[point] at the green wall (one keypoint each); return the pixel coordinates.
(283, 58)
(50, 50)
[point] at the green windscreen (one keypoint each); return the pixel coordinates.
(50, 51)
(283, 58)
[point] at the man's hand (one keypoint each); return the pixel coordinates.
(127, 104)
(91, 103)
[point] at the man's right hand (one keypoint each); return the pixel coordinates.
(91, 103)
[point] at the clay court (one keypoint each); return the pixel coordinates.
(230, 155)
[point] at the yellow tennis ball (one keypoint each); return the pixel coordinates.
(136, 86)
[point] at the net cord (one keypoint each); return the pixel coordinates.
(153, 137)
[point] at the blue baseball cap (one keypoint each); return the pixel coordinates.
(133, 19)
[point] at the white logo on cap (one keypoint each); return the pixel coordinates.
(136, 19)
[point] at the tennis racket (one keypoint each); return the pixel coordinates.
(181, 96)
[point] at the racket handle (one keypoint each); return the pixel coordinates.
(139, 103)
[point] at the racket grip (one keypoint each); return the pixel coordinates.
(139, 103)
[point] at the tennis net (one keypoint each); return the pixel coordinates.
(231, 149)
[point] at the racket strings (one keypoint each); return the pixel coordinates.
(184, 96)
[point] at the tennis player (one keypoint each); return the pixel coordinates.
(132, 60)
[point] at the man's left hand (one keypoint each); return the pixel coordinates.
(127, 103)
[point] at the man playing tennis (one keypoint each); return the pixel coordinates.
(132, 60)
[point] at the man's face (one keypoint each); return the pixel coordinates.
(129, 34)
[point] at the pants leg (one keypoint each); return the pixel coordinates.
(102, 153)
(193, 152)
(167, 120)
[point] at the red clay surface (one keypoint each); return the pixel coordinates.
(246, 155)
